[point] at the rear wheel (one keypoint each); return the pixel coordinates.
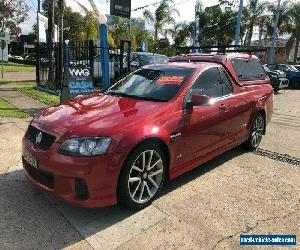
(256, 133)
(142, 176)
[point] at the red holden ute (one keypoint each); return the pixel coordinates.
(122, 144)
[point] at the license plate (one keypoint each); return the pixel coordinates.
(31, 160)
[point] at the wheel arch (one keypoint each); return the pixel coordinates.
(161, 143)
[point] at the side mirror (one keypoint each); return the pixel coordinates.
(198, 100)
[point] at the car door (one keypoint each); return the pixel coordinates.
(237, 109)
(205, 128)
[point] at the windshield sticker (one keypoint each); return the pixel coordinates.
(170, 80)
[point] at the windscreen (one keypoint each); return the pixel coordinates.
(248, 69)
(152, 84)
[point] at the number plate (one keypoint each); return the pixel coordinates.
(31, 160)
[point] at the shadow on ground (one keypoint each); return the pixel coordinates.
(33, 220)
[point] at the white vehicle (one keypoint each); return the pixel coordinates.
(18, 57)
(114, 66)
(98, 67)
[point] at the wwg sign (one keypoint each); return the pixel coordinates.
(78, 81)
(120, 8)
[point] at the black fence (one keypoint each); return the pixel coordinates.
(79, 54)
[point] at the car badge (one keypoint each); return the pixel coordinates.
(38, 138)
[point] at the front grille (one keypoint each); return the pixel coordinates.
(41, 176)
(47, 139)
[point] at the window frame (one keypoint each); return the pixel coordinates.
(221, 69)
(189, 89)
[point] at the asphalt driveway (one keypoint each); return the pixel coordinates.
(207, 208)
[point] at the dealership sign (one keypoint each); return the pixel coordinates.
(78, 81)
(120, 8)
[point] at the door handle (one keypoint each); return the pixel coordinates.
(222, 107)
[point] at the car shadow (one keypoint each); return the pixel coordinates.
(203, 169)
(34, 220)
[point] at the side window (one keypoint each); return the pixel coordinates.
(209, 83)
(227, 86)
(283, 68)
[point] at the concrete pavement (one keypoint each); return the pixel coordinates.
(207, 208)
(20, 100)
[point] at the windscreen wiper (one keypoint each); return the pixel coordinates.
(148, 98)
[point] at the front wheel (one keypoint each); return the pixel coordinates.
(256, 133)
(142, 176)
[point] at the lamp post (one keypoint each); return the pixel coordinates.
(271, 54)
(67, 53)
(104, 50)
(238, 24)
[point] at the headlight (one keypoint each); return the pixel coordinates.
(274, 76)
(85, 146)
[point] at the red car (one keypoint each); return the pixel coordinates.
(155, 124)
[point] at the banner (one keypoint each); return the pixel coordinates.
(120, 8)
(78, 81)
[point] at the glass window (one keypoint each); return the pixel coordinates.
(227, 86)
(151, 83)
(248, 69)
(291, 67)
(209, 83)
(271, 66)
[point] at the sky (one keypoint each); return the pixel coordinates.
(185, 7)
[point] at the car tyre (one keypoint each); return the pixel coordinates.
(142, 176)
(256, 133)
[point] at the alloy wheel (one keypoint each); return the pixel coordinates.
(257, 131)
(145, 176)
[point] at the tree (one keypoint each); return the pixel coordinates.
(255, 10)
(293, 27)
(74, 24)
(182, 33)
(217, 25)
(91, 26)
(12, 14)
(163, 16)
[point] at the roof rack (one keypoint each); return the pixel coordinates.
(222, 49)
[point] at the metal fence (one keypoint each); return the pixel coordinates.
(79, 54)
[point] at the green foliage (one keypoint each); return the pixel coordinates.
(12, 14)
(16, 67)
(40, 96)
(76, 26)
(163, 16)
(8, 110)
(218, 25)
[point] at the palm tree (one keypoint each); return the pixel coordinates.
(255, 10)
(162, 17)
(182, 33)
(217, 26)
(293, 27)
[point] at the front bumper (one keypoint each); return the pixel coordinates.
(61, 175)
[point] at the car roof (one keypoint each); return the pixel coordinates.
(202, 57)
(176, 65)
(147, 54)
